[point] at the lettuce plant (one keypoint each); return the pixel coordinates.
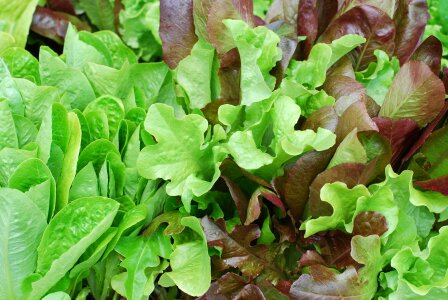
(280, 150)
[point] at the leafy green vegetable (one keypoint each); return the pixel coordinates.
(378, 76)
(177, 149)
(16, 20)
(259, 53)
(415, 93)
(142, 263)
(22, 227)
(196, 170)
(189, 261)
(410, 264)
(139, 22)
(63, 243)
(197, 74)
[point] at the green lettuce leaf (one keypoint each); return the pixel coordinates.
(313, 71)
(190, 262)
(21, 64)
(259, 54)
(63, 242)
(268, 138)
(406, 209)
(22, 225)
(191, 171)
(15, 19)
(100, 13)
(197, 75)
(142, 262)
(378, 76)
(423, 270)
(139, 27)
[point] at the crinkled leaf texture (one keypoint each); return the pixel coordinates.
(424, 270)
(395, 198)
(264, 149)
(325, 283)
(349, 203)
(378, 76)
(139, 27)
(142, 262)
(259, 53)
(189, 261)
(182, 154)
(237, 251)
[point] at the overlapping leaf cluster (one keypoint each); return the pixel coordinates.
(137, 22)
(282, 150)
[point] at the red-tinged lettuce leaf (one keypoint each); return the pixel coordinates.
(439, 184)
(288, 44)
(246, 10)
(430, 52)
(355, 116)
(309, 258)
(425, 135)
(326, 9)
(254, 207)
(229, 80)
(256, 203)
(213, 294)
(62, 5)
(283, 10)
(326, 117)
(53, 24)
(286, 229)
(237, 251)
(334, 248)
(325, 284)
(218, 35)
(360, 158)
(351, 174)
(400, 133)
(272, 197)
(201, 9)
(435, 153)
(288, 47)
(345, 90)
(307, 25)
(445, 78)
(238, 196)
(176, 30)
(367, 21)
(278, 292)
(343, 67)
(250, 291)
(353, 283)
(231, 169)
(241, 183)
(370, 223)
(388, 6)
(416, 93)
(229, 283)
(373, 109)
(410, 19)
(297, 180)
(293, 186)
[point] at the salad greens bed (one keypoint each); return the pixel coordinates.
(226, 149)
